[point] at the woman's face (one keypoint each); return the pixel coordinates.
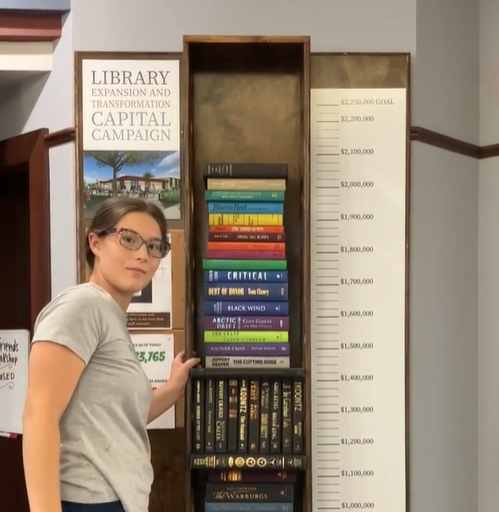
(128, 271)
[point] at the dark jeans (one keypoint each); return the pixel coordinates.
(115, 506)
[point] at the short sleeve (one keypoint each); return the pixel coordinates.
(72, 319)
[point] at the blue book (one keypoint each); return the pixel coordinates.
(254, 506)
(246, 292)
(246, 308)
(223, 207)
(245, 276)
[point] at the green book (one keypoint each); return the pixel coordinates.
(244, 195)
(246, 337)
(245, 264)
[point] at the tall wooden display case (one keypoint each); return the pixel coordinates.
(246, 100)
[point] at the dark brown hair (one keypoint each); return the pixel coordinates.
(112, 210)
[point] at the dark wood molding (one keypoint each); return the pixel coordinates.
(441, 141)
(60, 137)
(490, 151)
(30, 26)
(453, 145)
(418, 134)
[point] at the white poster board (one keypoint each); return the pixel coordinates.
(14, 354)
(152, 307)
(358, 298)
(156, 352)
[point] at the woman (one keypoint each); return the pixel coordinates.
(85, 443)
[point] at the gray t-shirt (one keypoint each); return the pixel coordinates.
(105, 450)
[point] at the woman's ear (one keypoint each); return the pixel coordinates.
(95, 243)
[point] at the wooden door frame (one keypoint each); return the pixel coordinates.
(29, 151)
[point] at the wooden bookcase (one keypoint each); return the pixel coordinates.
(247, 99)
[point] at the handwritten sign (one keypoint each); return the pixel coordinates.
(14, 353)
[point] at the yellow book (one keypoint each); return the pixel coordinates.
(245, 219)
(245, 184)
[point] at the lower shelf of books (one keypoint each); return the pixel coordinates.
(248, 491)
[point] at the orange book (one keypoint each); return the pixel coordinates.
(246, 229)
(246, 246)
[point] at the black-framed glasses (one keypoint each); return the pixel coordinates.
(132, 241)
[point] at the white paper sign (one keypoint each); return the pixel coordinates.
(152, 307)
(358, 298)
(156, 353)
(14, 354)
(131, 105)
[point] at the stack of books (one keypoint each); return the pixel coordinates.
(246, 306)
(245, 497)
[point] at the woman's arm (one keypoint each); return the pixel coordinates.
(53, 374)
(165, 397)
(168, 394)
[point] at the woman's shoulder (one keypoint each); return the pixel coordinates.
(85, 293)
(82, 299)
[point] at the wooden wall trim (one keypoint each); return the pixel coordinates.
(30, 26)
(60, 137)
(441, 141)
(418, 134)
(453, 145)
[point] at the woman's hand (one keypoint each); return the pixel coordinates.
(181, 368)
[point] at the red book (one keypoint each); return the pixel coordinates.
(244, 255)
(246, 229)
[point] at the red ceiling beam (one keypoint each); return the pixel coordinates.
(30, 26)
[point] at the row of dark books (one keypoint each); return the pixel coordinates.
(246, 306)
(245, 497)
(254, 422)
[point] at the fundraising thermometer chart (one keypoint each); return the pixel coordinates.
(358, 231)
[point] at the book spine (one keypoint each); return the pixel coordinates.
(210, 416)
(246, 170)
(247, 292)
(199, 416)
(246, 323)
(244, 461)
(249, 208)
(246, 237)
(221, 416)
(252, 506)
(242, 435)
(230, 492)
(252, 476)
(247, 229)
(254, 416)
(271, 185)
(245, 276)
(298, 417)
(245, 255)
(246, 308)
(287, 416)
(245, 264)
(275, 417)
(264, 416)
(246, 246)
(245, 219)
(246, 336)
(247, 349)
(243, 195)
(247, 362)
(232, 426)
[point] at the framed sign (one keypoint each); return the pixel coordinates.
(127, 133)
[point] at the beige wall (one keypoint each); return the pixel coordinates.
(443, 39)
